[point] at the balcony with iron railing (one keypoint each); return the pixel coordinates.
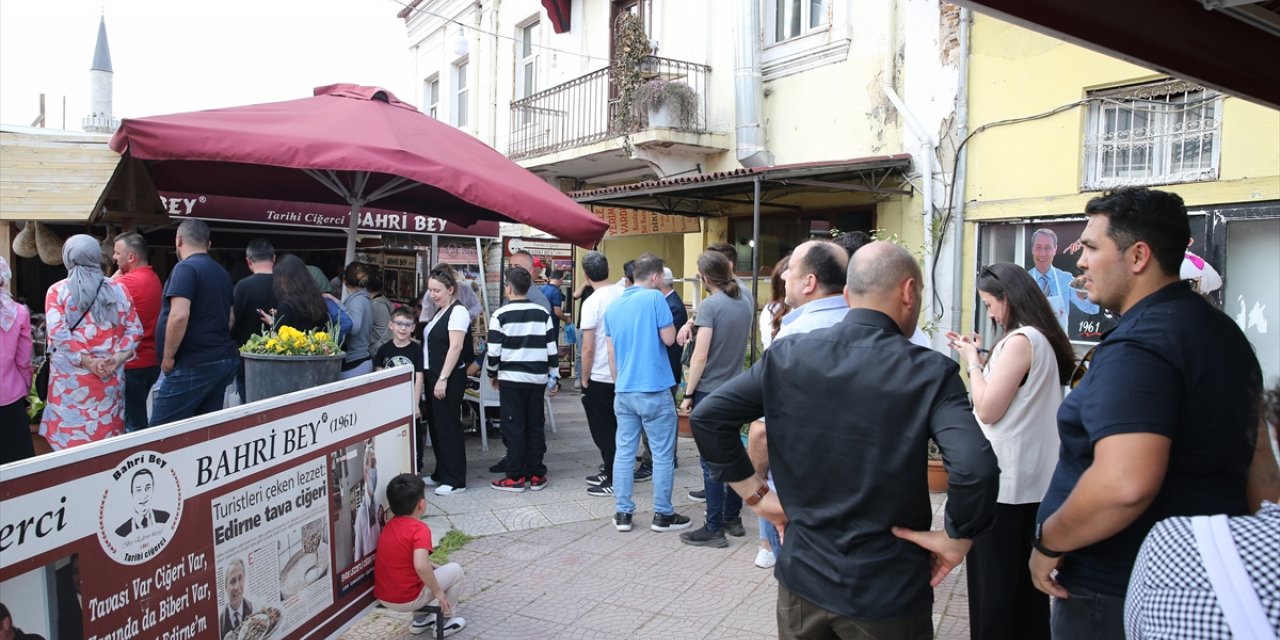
(593, 108)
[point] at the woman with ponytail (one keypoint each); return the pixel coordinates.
(720, 344)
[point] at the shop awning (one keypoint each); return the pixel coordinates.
(558, 12)
(1224, 44)
(782, 187)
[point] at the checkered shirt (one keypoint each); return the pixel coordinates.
(1170, 595)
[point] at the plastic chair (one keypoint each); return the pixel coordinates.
(485, 396)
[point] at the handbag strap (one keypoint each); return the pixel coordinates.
(1236, 596)
(88, 306)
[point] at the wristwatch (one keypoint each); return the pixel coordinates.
(755, 498)
(1045, 551)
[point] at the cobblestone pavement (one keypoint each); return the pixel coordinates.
(548, 564)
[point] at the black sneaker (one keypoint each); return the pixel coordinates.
(698, 496)
(597, 479)
(669, 522)
(602, 490)
(644, 473)
(704, 538)
(734, 528)
(622, 521)
(499, 466)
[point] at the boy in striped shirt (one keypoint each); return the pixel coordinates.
(523, 363)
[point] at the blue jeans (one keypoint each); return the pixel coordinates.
(769, 532)
(723, 503)
(1087, 615)
(192, 390)
(655, 415)
(137, 386)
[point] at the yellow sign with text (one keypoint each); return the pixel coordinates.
(624, 221)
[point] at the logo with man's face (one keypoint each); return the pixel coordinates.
(140, 509)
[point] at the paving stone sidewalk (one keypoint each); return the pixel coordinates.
(549, 564)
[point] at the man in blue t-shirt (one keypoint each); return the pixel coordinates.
(1162, 423)
(555, 297)
(193, 336)
(639, 329)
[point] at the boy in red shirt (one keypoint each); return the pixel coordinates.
(404, 578)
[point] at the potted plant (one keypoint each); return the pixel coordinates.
(937, 472)
(631, 48)
(670, 103)
(282, 359)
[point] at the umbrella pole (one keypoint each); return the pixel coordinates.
(351, 231)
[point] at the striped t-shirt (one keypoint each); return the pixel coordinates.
(522, 344)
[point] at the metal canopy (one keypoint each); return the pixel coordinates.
(777, 188)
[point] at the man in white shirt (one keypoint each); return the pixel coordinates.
(597, 379)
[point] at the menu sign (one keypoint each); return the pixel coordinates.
(255, 522)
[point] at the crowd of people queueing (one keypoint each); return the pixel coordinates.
(128, 351)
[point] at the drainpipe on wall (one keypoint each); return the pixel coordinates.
(493, 66)
(924, 157)
(958, 180)
(749, 88)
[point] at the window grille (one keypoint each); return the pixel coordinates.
(1162, 133)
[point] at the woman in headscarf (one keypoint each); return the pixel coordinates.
(93, 331)
(15, 373)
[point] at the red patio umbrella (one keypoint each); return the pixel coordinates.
(352, 145)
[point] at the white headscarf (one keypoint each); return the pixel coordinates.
(82, 256)
(8, 308)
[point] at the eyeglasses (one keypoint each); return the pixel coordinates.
(1082, 367)
(402, 323)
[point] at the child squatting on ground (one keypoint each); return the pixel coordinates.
(404, 578)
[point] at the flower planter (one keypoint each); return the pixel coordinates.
(268, 376)
(937, 477)
(683, 428)
(664, 116)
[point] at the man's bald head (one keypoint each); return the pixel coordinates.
(880, 267)
(885, 277)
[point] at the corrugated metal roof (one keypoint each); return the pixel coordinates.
(776, 172)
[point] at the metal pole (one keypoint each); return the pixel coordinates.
(351, 231)
(484, 282)
(755, 260)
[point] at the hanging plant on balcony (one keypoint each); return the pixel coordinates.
(674, 97)
(630, 48)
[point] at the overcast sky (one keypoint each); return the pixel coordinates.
(184, 55)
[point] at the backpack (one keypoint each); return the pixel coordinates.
(338, 316)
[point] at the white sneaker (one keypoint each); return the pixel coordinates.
(765, 559)
(422, 622)
(454, 624)
(448, 490)
(430, 481)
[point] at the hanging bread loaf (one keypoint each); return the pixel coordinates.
(48, 245)
(24, 244)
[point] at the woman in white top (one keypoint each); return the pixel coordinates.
(773, 310)
(1015, 398)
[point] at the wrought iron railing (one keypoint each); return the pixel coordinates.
(586, 109)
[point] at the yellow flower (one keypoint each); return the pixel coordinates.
(321, 336)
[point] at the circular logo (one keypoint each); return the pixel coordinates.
(140, 508)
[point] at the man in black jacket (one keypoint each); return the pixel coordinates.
(851, 493)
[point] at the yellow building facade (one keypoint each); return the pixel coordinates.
(1055, 125)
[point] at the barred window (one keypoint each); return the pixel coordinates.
(1160, 133)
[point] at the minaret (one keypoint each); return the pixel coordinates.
(100, 119)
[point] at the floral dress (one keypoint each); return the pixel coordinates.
(82, 407)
